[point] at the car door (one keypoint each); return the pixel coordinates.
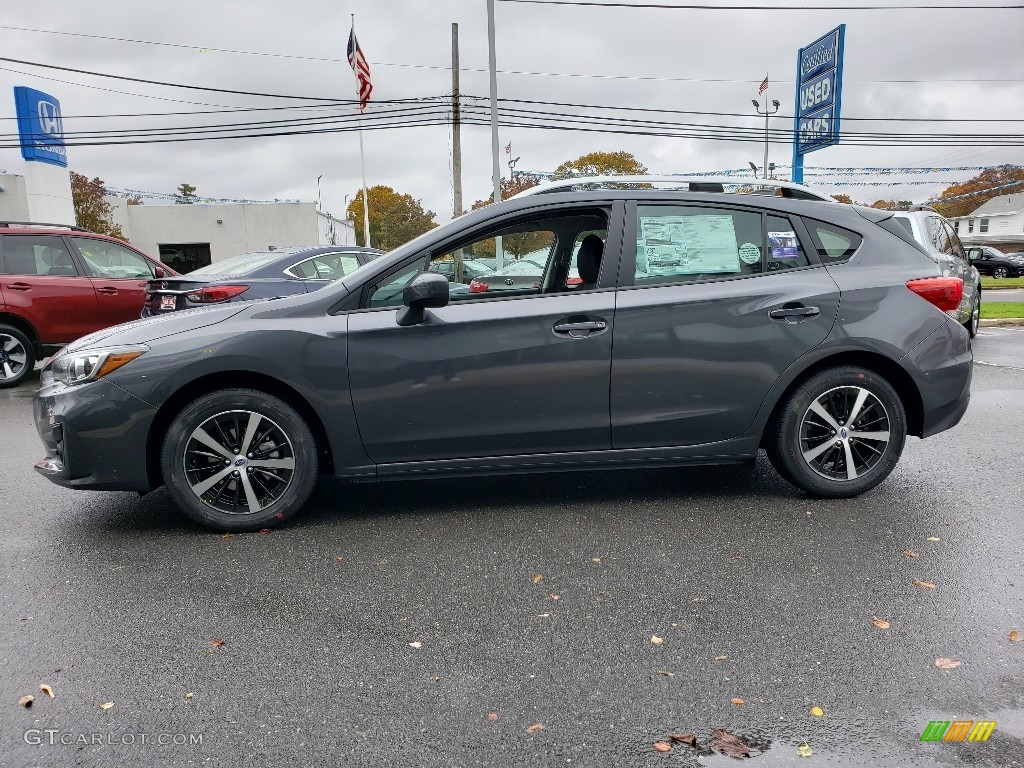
(42, 285)
(119, 276)
(723, 300)
(503, 374)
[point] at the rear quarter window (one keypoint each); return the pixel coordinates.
(833, 244)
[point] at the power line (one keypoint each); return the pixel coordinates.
(664, 6)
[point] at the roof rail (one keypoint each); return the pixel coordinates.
(693, 184)
(922, 208)
(42, 225)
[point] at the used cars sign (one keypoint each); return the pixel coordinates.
(819, 84)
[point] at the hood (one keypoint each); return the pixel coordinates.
(152, 328)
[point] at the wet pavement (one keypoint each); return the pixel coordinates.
(405, 624)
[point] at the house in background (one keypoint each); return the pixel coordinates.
(999, 223)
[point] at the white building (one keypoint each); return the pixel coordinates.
(198, 234)
(999, 223)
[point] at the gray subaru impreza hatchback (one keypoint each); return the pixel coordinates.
(697, 327)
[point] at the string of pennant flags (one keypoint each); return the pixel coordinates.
(143, 195)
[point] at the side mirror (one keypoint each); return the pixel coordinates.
(159, 273)
(426, 291)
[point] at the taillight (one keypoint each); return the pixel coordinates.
(944, 292)
(475, 286)
(574, 281)
(214, 293)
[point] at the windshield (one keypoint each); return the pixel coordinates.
(242, 264)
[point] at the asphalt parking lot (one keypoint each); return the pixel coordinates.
(516, 621)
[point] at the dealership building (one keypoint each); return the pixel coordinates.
(35, 188)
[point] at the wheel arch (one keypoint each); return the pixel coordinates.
(885, 367)
(231, 380)
(6, 318)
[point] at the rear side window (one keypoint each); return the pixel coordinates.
(834, 244)
(784, 249)
(44, 255)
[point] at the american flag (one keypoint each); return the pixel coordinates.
(361, 67)
(761, 89)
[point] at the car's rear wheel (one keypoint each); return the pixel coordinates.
(239, 460)
(839, 433)
(17, 357)
(1000, 272)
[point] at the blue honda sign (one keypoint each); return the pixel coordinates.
(819, 85)
(40, 126)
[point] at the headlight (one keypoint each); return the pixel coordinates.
(90, 364)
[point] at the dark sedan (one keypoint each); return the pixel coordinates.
(259, 275)
(828, 364)
(995, 263)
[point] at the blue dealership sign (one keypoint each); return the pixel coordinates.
(40, 126)
(819, 85)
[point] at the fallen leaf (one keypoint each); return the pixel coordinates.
(382, 562)
(47, 690)
(1014, 636)
(553, 596)
(695, 600)
(923, 584)
(339, 558)
(738, 702)
(880, 623)
(934, 538)
(596, 559)
(721, 658)
(728, 744)
(435, 679)
(189, 695)
(817, 711)
(944, 663)
(415, 644)
(909, 553)
(662, 746)
(804, 750)
(538, 578)
(492, 716)
(26, 701)
(264, 531)
(535, 727)
(228, 535)
(684, 738)
(106, 706)
(543, 615)
(655, 640)
(734, 558)
(663, 673)
(217, 643)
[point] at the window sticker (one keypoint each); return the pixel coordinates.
(686, 245)
(750, 253)
(784, 245)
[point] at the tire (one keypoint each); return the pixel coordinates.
(797, 430)
(973, 322)
(17, 356)
(235, 449)
(1000, 272)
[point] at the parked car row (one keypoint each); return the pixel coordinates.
(58, 284)
(705, 326)
(992, 262)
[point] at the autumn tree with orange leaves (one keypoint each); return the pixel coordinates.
(983, 185)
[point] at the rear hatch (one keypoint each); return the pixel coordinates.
(168, 294)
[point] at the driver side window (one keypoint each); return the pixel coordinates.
(532, 258)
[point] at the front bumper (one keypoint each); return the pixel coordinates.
(95, 436)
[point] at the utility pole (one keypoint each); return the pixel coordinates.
(492, 61)
(456, 126)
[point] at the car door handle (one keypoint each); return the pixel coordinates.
(19, 286)
(580, 329)
(107, 291)
(794, 314)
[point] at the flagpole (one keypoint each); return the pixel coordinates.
(362, 165)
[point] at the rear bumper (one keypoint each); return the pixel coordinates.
(942, 366)
(95, 437)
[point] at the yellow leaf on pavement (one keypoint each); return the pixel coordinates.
(880, 623)
(535, 727)
(538, 578)
(817, 711)
(1014, 636)
(923, 584)
(26, 701)
(804, 750)
(944, 663)
(662, 746)
(47, 690)
(934, 538)
(106, 706)
(738, 702)
(655, 640)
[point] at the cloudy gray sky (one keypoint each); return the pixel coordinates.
(911, 65)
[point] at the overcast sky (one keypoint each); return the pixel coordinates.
(952, 64)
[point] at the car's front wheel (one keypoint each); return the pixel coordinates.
(839, 433)
(17, 358)
(239, 460)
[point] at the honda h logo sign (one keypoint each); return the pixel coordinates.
(40, 126)
(49, 119)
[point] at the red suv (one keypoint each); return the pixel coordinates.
(57, 284)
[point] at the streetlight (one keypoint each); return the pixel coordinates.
(767, 114)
